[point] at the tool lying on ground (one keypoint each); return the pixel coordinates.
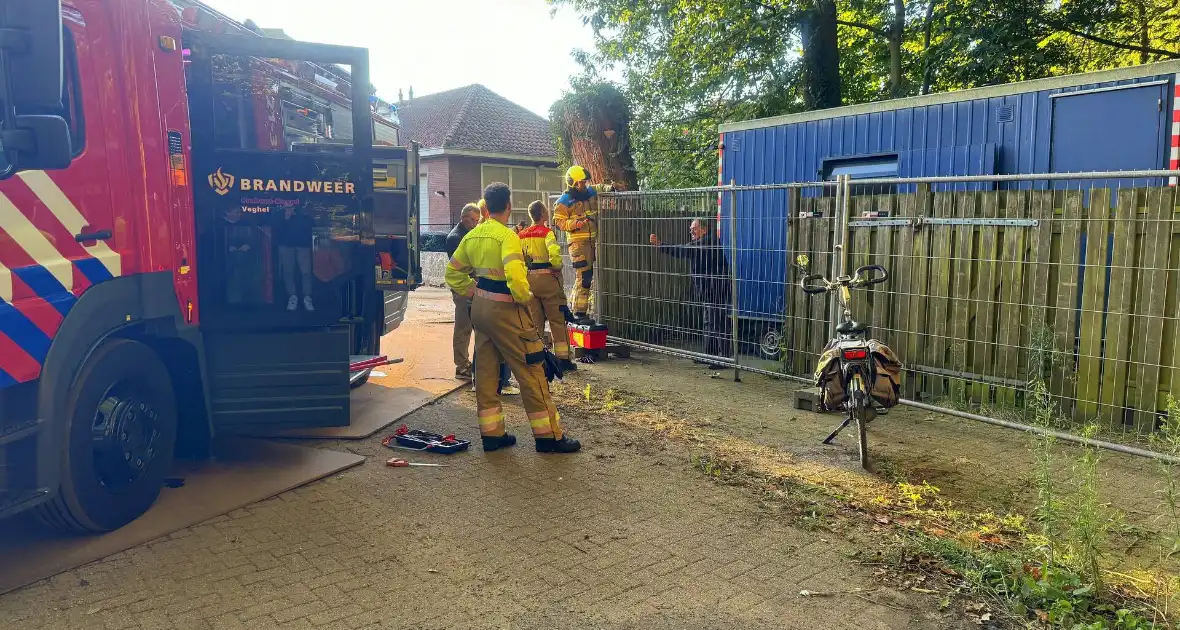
(401, 463)
(415, 440)
(360, 367)
(368, 362)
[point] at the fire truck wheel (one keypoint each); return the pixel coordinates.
(119, 442)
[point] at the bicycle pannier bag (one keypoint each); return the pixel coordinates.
(827, 379)
(886, 387)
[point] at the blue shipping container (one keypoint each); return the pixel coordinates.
(1110, 120)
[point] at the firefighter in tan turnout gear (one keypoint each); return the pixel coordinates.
(504, 329)
(576, 213)
(542, 254)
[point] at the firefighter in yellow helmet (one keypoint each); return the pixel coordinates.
(542, 254)
(576, 212)
(504, 329)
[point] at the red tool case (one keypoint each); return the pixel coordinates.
(588, 336)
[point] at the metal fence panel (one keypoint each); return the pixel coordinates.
(650, 294)
(1065, 284)
(1001, 287)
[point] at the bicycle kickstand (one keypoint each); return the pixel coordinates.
(840, 428)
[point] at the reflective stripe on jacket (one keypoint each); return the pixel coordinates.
(573, 206)
(490, 250)
(540, 246)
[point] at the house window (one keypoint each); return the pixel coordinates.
(424, 201)
(528, 184)
(552, 181)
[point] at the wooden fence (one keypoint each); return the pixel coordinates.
(989, 292)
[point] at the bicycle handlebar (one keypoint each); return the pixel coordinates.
(864, 276)
(813, 289)
(867, 279)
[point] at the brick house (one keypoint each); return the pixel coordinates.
(470, 137)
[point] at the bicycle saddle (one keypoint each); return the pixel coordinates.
(852, 328)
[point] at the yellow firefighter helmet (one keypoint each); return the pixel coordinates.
(574, 175)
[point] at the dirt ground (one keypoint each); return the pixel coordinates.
(974, 465)
(627, 534)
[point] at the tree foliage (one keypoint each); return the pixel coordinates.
(688, 65)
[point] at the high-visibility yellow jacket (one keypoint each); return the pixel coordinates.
(574, 206)
(539, 245)
(490, 250)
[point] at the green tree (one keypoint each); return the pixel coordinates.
(689, 65)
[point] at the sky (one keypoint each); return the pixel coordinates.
(513, 47)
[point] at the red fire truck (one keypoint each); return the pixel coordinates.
(198, 237)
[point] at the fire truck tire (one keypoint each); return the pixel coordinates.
(119, 441)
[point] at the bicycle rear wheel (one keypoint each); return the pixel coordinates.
(861, 416)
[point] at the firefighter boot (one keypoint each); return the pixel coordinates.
(497, 442)
(565, 445)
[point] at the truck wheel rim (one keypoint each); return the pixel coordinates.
(124, 437)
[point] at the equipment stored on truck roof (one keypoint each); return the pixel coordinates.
(198, 237)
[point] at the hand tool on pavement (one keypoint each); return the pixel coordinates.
(397, 462)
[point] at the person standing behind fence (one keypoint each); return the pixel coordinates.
(542, 254)
(504, 330)
(710, 283)
(468, 219)
(576, 213)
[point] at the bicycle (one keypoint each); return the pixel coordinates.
(851, 348)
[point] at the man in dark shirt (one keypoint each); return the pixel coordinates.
(710, 282)
(462, 337)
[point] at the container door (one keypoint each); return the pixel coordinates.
(1109, 130)
(284, 235)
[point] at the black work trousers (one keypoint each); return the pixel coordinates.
(717, 324)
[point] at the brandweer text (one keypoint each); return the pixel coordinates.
(298, 185)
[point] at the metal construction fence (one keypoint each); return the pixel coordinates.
(1005, 292)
